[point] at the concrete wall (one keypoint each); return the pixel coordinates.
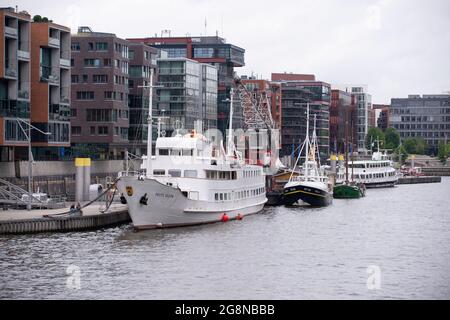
(61, 168)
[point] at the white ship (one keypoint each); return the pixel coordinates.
(376, 173)
(191, 182)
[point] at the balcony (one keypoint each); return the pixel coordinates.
(65, 96)
(11, 32)
(65, 63)
(23, 55)
(50, 75)
(14, 108)
(57, 112)
(11, 68)
(23, 94)
(54, 42)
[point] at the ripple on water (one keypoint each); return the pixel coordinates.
(283, 253)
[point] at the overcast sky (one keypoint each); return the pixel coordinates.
(395, 47)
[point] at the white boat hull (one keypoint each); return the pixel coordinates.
(167, 207)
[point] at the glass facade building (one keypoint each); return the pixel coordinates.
(187, 93)
(426, 117)
(295, 96)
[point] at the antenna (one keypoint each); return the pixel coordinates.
(205, 26)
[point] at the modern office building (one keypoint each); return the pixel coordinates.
(298, 90)
(343, 121)
(15, 84)
(50, 89)
(382, 116)
(214, 51)
(426, 117)
(100, 87)
(142, 60)
(363, 105)
(187, 94)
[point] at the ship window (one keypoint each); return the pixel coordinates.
(175, 152)
(227, 175)
(163, 152)
(221, 197)
(175, 173)
(159, 172)
(216, 196)
(188, 152)
(234, 175)
(190, 173)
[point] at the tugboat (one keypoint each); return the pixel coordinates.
(311, 185)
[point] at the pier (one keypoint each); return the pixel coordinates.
(418, 180)
(59, 220)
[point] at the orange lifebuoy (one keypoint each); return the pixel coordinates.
(225, 218)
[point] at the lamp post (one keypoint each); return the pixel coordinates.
(30, 155)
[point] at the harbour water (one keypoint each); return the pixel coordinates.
(282, 253)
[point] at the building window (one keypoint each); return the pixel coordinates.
(100, 78)
(85, 78)
(102, 131)
(190, 173)
(76, 131)
(75, 46)
(124, 133)
(101, 115)
(75, 78)
(85, 95)
(73, 113)
(92, 62)
(92, 130)
(91, 46)
(116, 131)
(147, 55)
(101, 46)
(107, 62)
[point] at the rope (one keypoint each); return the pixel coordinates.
(91, 202)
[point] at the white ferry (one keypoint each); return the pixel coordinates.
(376, 173)
(190, 182)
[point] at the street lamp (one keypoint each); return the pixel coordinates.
(30, 154)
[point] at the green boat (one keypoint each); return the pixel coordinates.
(349, 189)
(345, 191)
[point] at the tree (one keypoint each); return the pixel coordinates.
(443, 152)
(392, 138)
(37, 18)
(400, 154)
(415, 145)
(374, 135)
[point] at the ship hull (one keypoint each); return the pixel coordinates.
(347, 192)
(153, 205)
(316, 197)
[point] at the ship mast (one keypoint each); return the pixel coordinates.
(307, 144)
(230, 129)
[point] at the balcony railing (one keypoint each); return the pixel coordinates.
(23, 55)
(50, 74)
(65, 63)
(11, 68)
(58, 112)
(65, 95)
(23, 94)
(9, 31)
(54, 42)
(14, 108)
